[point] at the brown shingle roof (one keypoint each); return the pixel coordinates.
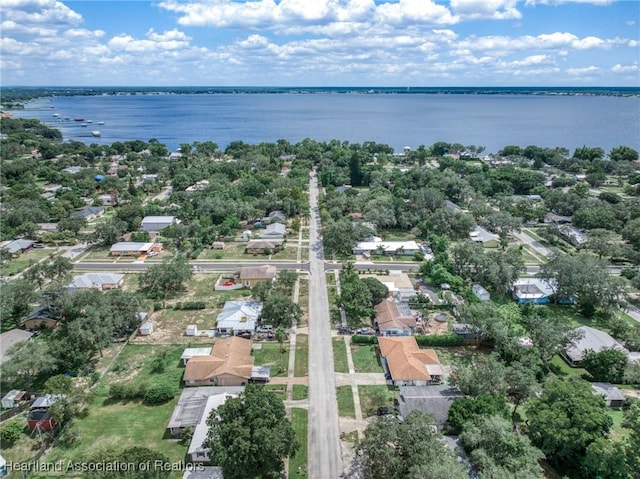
(266, 271)
(260, 244)
(406, 361)
(388, 317)
(228, 356)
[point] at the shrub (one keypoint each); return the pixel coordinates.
(628, 273)
(189, 305)
(364, 339)
(218, 256)
(159, 393)
(444, 340)
(10, 433)
(127, 390)
(418, 256)
(94, 376)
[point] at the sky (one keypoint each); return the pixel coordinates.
(320, 43)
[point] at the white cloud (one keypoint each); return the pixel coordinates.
(630, 23)
(618, 68)
(486, 9)
(560, 2)
(583, 71)
(42, 12)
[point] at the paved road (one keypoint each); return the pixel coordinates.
(535, 245)
(324, 456)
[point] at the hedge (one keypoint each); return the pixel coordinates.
(440, 340)
(190, 305)
(364, 339)
(159, 393)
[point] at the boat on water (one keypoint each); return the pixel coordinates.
(78, 118)
(56, 115)
(96, 133)
(101, 123)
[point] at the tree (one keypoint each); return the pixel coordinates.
(377, 291)
(499, 451)
(279, 310)
(602, 242)
(15, 299)
(603, 460)
(394, 449)
(631, 232)
(286, 280)
(547, 334)
(249, 436)
(162, 280)
(607, 365)
(623, 153)
(26, 361)
(71, 401)
(261, 290)
(565, 420)
(467, 410)
(281, 335)
(109, 231)
(485, 375)
(522, 385)
(72, 224)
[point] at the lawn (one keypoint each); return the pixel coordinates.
(459, 356)
(298, 463)
(24, 261)
(365, 359)
(110, 424)
(236, 251)
(303, 299)
(564, 369)
(300, 392)
(618, 432)
(301, 364)
(373, 397)
(280, 390)
(340, 356)
(346, 407)
(270, 354)
(136, 362)
(25, 448)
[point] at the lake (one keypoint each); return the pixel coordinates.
(398, 120)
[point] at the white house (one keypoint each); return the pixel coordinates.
(191, 352)
(198, 452)
(273, 231)
(99, 280)
(157, 223)
(238, 317)
(486, 238)
(377, 246)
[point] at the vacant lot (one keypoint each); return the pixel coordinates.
(365, 359)
(270, 354)
(23, 261)
(373, 397)
(138, 362)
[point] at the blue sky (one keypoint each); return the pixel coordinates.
(320, 42)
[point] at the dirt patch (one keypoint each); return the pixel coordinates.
(431, 326)
(169, 326)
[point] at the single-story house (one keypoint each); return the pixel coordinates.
(18, 246)
(589, 339)
(556, 219)
(408, 365)
(191, 352)
(13, 398)
(611, 394)
(273, 231)
(47, 227)
(198, 452)
(102, 281)
(157, 223)
(485, 237)
(573, 235)
(238, 317)
(39, 417)
(74, 170)
(480, 293)
(191, 404)
(134, 248)
(435, 400)
(229, 364)
(88, 213)
(217, 245)
(40, 318)
(533, 290)
(250, 275)
(389, 321)
(259, 246)
(108, 199)
(11, 337)
(397, 248)
(274, 217)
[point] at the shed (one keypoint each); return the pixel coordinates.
(146, 328)
(218, 245)
(480, 293)
(12, 398)
(192, 330)
(612, 395)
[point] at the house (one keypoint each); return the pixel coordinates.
(74, 170)
(191, 352)
(134, 248)
(589, 339)
(390, 321)
(157, 223)
(394, 248)
(238, 317)
(480, 293)
(13, 398)
(556, 219)
(611, 394)
(198, 452)
(273, 231)
(274, 217)
(250, 275)
(40, 318)
(404, 295)
(10, 338)
(39, 417)
(574, 236)
(191, 405)
(102, 281)
(260, 246)
(146, 328)
(88, 213)
(108, 199)
(484, 237)
(533, 290)
(229, 364)
(408, 365)
(434, 400)
(18, 246)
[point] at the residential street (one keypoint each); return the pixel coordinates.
(324, 456)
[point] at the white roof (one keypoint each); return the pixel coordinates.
(387, 245)
(158, 219)
(94, 280)
(202, 429)
(534, 288)
(482, 235)
(239, 315)
(131, 246)
(191, 352)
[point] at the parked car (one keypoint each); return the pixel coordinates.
(386, 410)
(366, 331)
(345, 330)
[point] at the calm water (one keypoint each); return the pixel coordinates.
(492, 121)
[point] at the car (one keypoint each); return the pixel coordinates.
(386, 410)
(345, 330)
(38, 245)
(366, 331)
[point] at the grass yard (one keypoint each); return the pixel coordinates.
(300, 392)
(279, 390)
(24, 261)
(298, 463)
(270, 355)
(236, 251)
(26, 447)
(340, 356)
(136, 362)
(564, 369)
(346, 407)
(123, 424)
(301, 364)
(331, 278)
(373, 397)
(618, 432)
(170, 325)
(303, 299)
(459, 356)
(365, 359)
